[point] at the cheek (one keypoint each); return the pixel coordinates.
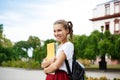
(54, 35)
(65, 34)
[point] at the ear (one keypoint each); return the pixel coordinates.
(67, 31)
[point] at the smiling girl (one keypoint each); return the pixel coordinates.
(62, 31)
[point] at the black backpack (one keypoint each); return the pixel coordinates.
(78, 70)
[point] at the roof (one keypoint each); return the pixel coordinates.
(108, 2)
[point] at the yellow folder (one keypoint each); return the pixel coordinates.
(50, 50)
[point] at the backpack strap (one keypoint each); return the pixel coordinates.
(68, 68)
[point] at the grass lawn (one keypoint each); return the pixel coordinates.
(116, 67)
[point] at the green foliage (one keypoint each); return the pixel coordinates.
(80, 43)
(103, 46)
(117, 49)
(44, 47)
(111, 50)
(90, 53)
(94, 38)
(86, 47)
(107, 35)
(31, 64)
(1, 30)
(48, 41)
(5, 54)
(2, 57)
(34, 42)
(97, 44)
(19, 64)
(76, 45)
(39, 54)
(21, 48)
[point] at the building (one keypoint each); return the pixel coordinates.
(107, 16)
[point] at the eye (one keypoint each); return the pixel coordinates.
(54, 31)
(59, 30)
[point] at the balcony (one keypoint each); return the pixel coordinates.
(117, 32)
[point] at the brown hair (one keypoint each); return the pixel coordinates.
(67, 25)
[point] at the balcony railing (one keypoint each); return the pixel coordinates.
(117, 32)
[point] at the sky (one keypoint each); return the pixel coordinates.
(24, 18)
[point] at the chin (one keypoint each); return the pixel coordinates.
(58, 40)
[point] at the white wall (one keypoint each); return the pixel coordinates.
(99, 11)
(97, 25)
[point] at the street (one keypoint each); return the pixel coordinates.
(26, 74)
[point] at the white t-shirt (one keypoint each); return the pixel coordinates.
(68, 49)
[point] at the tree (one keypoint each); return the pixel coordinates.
(5, 47)
(117, 50)
(90, 53)
(45, 44)
(76, 45)
(40, 53)
(80, 43)
(107, 35)
(1, 30)
(104, 46)
(94, 38)
(6, 42)
(3, 40)
(21, 48)
(34, 42)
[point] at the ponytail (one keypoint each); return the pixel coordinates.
(70, 27)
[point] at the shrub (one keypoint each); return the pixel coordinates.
(31, 64)
(94, 78)
(85, 62)
(116, 79)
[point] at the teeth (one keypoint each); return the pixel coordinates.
(57, 37)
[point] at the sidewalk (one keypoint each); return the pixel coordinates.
(24, 74)
(21, 74)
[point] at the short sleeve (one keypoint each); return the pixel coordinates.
(68, 50)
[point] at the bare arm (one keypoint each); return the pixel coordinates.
(55, 65)
(45, 63)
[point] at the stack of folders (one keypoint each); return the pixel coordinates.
(51, 50)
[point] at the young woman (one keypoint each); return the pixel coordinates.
(56, 68)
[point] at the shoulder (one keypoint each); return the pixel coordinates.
(68, 45)
(68, 49)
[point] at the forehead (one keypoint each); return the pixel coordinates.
(58, 26)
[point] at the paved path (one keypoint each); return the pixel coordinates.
(24, 74)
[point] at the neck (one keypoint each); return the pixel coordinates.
(64, 41)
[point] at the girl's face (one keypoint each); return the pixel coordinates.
(60, 33)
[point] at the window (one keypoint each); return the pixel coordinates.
(107, 25)
(117, 25)
(117, 7)
(107, 9)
